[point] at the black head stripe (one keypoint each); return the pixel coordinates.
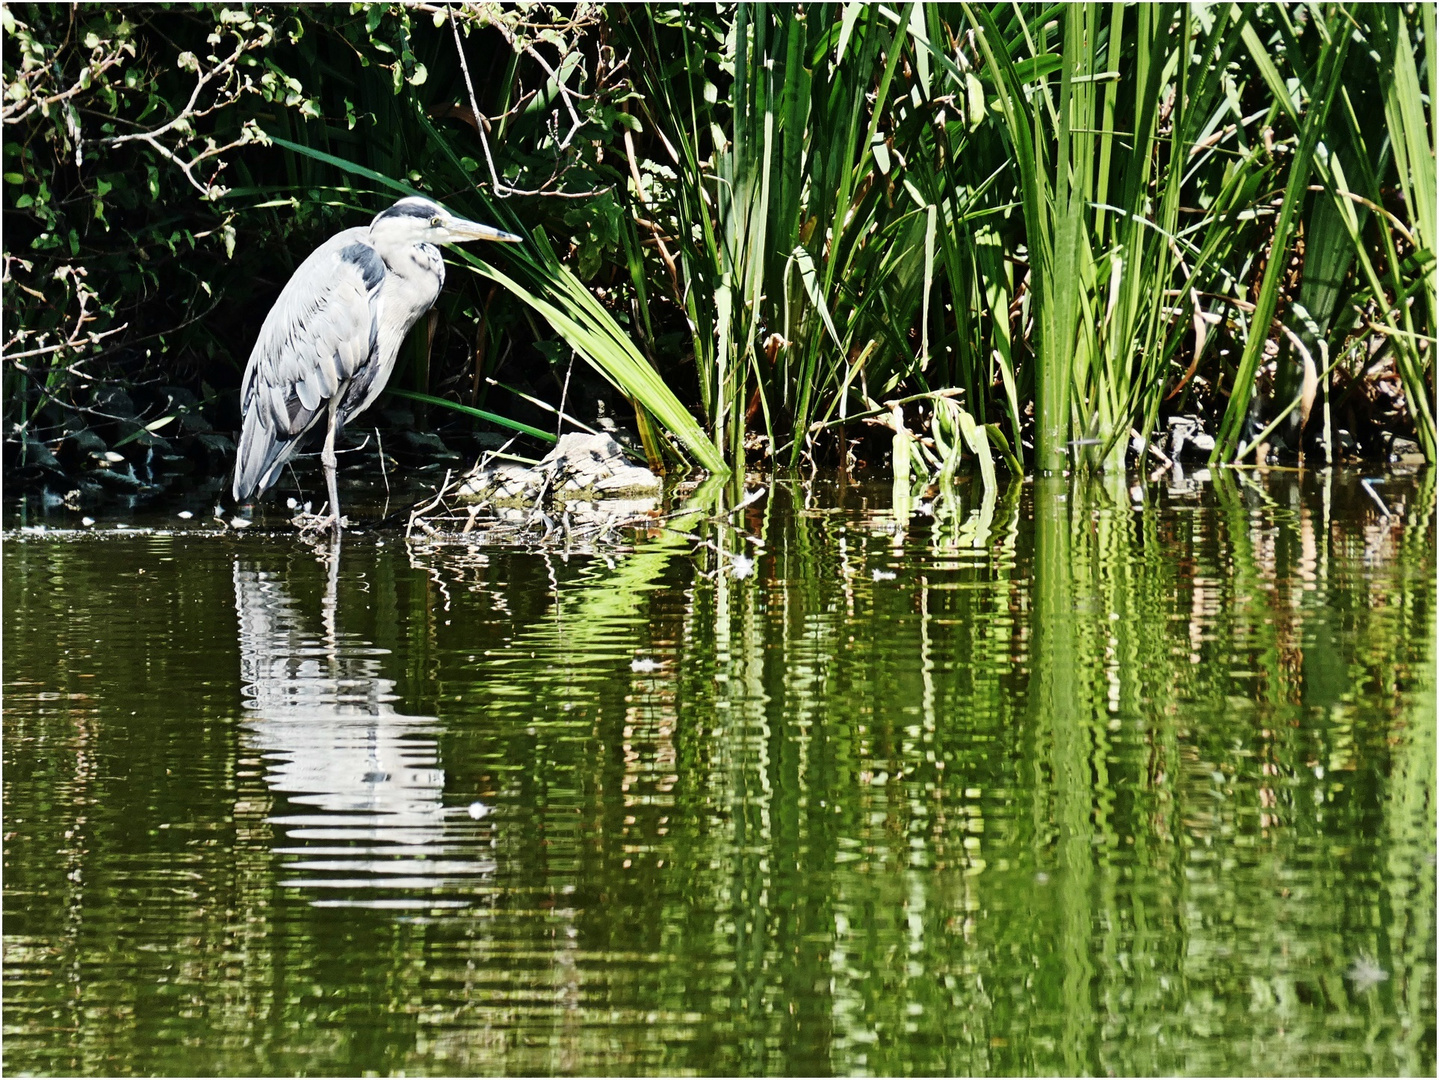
(372, 267)
(409, 208)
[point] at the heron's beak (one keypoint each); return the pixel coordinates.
(462, 230)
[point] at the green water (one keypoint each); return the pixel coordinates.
(1070, 781)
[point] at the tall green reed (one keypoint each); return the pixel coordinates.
(804, 254)
(1138, 145)
(1365, 61)
(1135, 197)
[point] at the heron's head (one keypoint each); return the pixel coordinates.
(415, 220)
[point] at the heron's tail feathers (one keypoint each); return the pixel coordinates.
(260, 457)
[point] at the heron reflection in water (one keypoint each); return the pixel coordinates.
(363, 781)
(328, 346)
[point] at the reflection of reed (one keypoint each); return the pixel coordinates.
(365, 779)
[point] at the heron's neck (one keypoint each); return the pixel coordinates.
(417, 262)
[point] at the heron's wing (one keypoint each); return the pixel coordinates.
(321, 332)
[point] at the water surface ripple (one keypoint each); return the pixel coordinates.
(1070, 779)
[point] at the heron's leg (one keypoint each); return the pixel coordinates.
(328, 459)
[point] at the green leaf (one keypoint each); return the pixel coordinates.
(479, 414)
(1328, 69)
(978, 439)
(807, 275)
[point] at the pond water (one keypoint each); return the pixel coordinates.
(1073, 779)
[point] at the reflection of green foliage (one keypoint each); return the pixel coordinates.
(1130, 789)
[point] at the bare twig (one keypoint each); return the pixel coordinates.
(417, 515)
(229, 91)
(78, 337)
(482, 123)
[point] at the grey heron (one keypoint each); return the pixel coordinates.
(327, 347)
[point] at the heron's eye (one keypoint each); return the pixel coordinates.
(436, 222)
